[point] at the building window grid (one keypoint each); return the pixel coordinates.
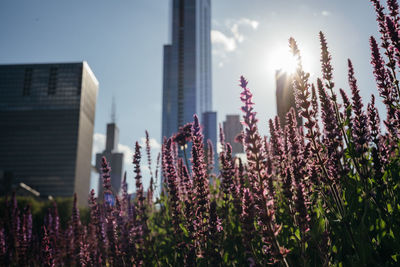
(52, 85)
(27, 82)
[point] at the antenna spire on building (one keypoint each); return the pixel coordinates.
(113, 111)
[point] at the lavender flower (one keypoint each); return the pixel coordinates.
(394, 9)
(148, 152)
(77, 231)
(47, 253)
(302, 96)
(392, 32)
(361, 133)
(105, 173)
(184, 135)
(326, 65)
(257, 176)
(138, 178)
(247, 220)
(381, 19)
(277, 143)
(200, 184)
(173, 194)
(332, 135)
(227, 172)
(96, 230)
(3, 246)
(374, 123)
(385, 87)
(215, 227)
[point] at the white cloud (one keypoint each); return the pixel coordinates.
(218, 38)
(128, 153)
(153, 143)
(243, 22)
(225, 43)
(325, 13)
(99, 143)
(252, 23)
(236, 34)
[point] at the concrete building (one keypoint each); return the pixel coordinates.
(47, 116)
(232, 127)
(285, 96)
(114, 158)
(187, 88)
(209, 121)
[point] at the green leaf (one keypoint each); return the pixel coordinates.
(390, 209)
(185, 231)
(297, 233)
(394, 257)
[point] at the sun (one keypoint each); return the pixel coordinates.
(281, 59)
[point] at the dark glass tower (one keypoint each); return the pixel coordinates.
(47, 115)
(114, 158)
(285, 99)
(187, 86)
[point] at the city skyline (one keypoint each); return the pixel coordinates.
(115, 40)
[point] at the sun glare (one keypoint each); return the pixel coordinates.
(281, 58)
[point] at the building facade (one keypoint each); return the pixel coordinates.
(285, 99)
(47, 114)
(187, 88)
(114, 158)
(232, 128)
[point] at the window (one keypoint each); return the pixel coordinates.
(52, 81)
(27, 82)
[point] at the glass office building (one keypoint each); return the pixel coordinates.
(187, 88)
(47, 116)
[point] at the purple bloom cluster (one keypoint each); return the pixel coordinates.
(320, 194)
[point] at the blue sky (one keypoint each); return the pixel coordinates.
(122, 42)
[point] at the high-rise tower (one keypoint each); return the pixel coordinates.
(114, 158)
(232, 128)
(187, 88)
(47, 116)
(285, 99)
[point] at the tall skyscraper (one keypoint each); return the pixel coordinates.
(47, 116)
(187, 88)
(114, 158)
(285, 96)
(232, 127)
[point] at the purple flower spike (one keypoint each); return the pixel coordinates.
(47, 252)
(173, 192)
(201, 186)
(326, 65)
(138, 177)
(184, 135)
(361, 135)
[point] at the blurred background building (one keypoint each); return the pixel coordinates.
(232, 127)
(114, 158)
(285, 96)
(47, 116)
(187, 88)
